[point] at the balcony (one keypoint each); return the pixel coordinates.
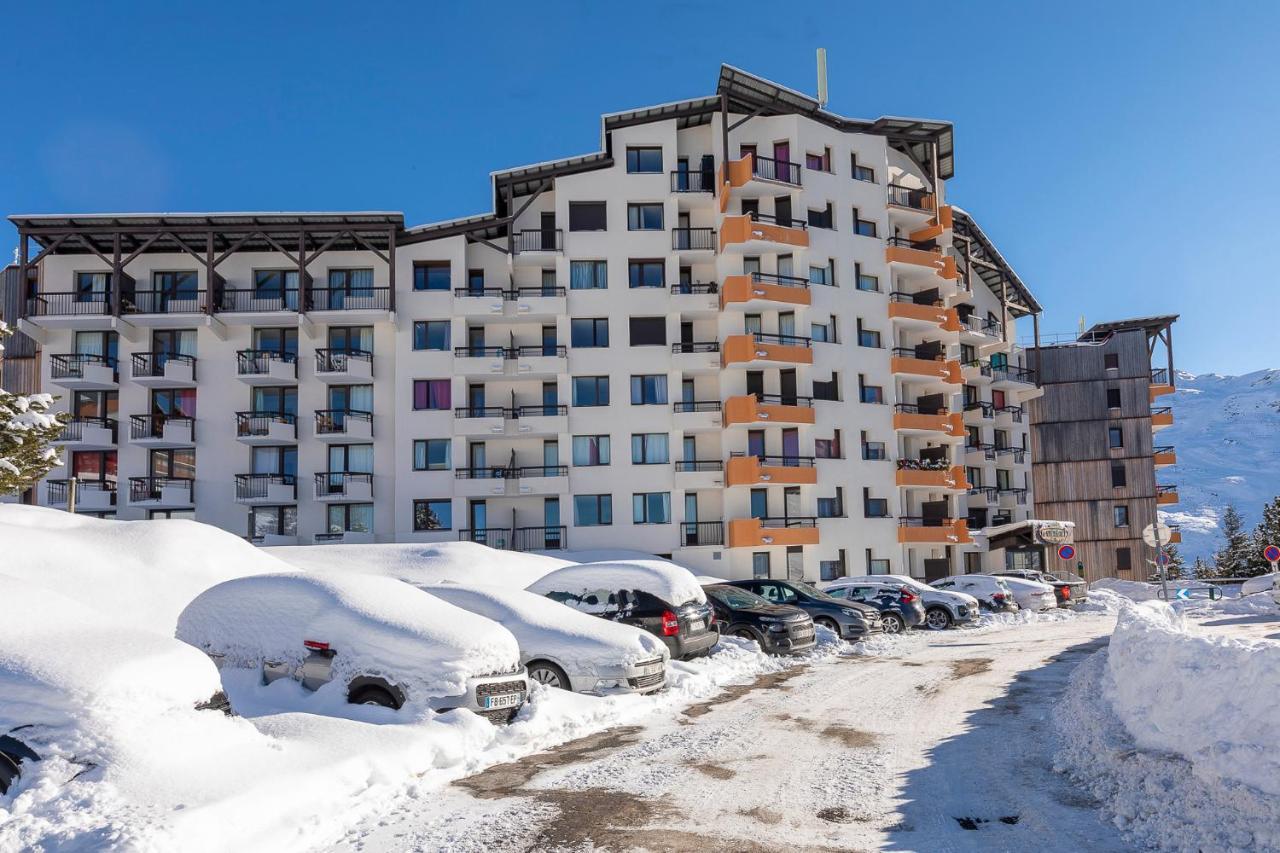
(1160, 383)
(344, 537)
(1009, 415)
(88, 433)
(695, 297)
(696, 356)
(531, 301)
(161, 431)
(1019, 454)
(162, 307)
(539, 241)
(70, 309)
(912, 363)
(161, 492)
(249, 305)
(933, 531)
(771, 470)
(698, 415)
(538, 419)
(930, 474)
(342, 425)
(512, 480)
(83, 372)
(759, 532)
(907, 313)
(693, 239)
(693, 181)
(757, 231)
(163, 369)
(981, 494)
(349, 303)
(1011, 497)
(975, 410)
(1008, 376)
(344, 367)
(919, 254)
(980, 451)
(910, 198)
(266, 428)
(1175, 534)
(779, 171)
(529, 360)
(975, 325)
(768, 409)
(938, 225)
(91, 495)
(764, 350)
(699, 474)
(764, 288)
(1166, 495)
(552, 538)
(701, 534)
(1161, 417)
(343, 486)
(481, 420)
(262, 367)
(266, 488)
(911, 418)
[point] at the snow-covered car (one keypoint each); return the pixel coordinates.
(373, 640)
(660, 597)
(563, 648)
(1067, 588)
(942, 608)
(991, 592)
(1031, 595)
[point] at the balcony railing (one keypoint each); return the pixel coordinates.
(1160, 376)
(923, 464)
(914, 298)
(688, 347)
(339, 361)
(152, 364)
(58, 489)
(693, 181)
(152, 426)
(695, 533)
(493, 537)
(162, 302)
(988, 410)
(1010, 373)
(918, 245)
(917, 199)
(694, 288)
(919, 353)
(987, 450)
(693, 239)
(539, 240)
(1166, 490)
(73, 430)
(233, 300)
(511, 294)
(71, 365)
(69, 304)
(1162, 410)
(923, 521)
(984, 367)
(550, 538)
(693, 466)
(540, 410)
(258, 423)
(779, 280)
(780, 522)
(784, 222)
(334, 421)
(483, 412)
(257, 486)
(1013, 411)
(784, 400)
(917, 409)
(687, 406)
(775, 170)
(349, 299)
(1019, 453)
(524, 351)
(1019, 495)
(331, 483)
(983, 326)
(988, 492)
(782, 340)
(781, 461)
(257, 362)
(152, 488)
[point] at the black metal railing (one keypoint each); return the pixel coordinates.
(57, 490)
(494, 537)
(71, 365)
(482, 412)
(694, 533)
(480, 352)
(542, 471)
(1019, 495)
(257, 362)
(918, 245)
(988, 410)
(693, 181)
(254, 487)
(511, 353)
(540, 410)
(689, 466)
(73, 430)
(695, 346)
(1164, 448)
(1014, 412)
(1019, 454)
(775, 170)
(687, 406)
(349, 299)
(142, 427)
(784, 400)
(919, 353)
(923, 521)
(539, 240)
(780, 280)
(693, 239)
(550, 538)
(490, 472)
(70, 304)
(334, 421)
(535, 291)
(914, 298)
(339, 361)
(924, 464)
(778, 522)
(917, 409)
(987, 450)
(1166, 490)
(783, 221)
(479, 292)
(1162, 410)
(1160, 376)
(917, 199)
(258, 423)
(987, 492)
(984, 367)
(694, 288)
(983, 326)
(783, 461)
(338, 483)
(153, 488)
(163, 302)
(233, 300)
(782, 340)
(152, 364)
(1010, 373)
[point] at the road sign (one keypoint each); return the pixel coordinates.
(1188, 593)
(1271, 554)
(1157, 534)
(1162, 559)
(1066, 552)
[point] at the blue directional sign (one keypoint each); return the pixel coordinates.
(1184, 594)
(1188, 593)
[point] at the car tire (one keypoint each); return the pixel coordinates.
(372, 694)
(745, 634)
(830, 624)
(937, 619)
(892, 623)
(9, 771)
(545, 672)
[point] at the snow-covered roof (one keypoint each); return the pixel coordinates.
(667, 581)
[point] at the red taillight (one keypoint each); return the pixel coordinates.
(316, 645)
(907, 596)
(1066, 592)
(670, 624)
(997, 596)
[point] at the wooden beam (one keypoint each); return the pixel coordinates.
(92, 248)
(472, 239)
(543, 187)
(24, 248)
(324, 247)
(117, 275)
(47, 249)
(372, 248)
(391, 268)
(138, 251)
(208, 273)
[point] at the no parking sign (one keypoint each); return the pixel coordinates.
(1272, 555)
(1066, 552)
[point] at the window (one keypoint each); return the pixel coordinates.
(1113, 398)
(874, 507)
(818, 162)
(592, 510)
(649, 390)
(432, 394)
(868, 337)
(475, 281)
(760, 565)
(350, 518)
(588, 275)
(273, 521)
(431, 275)
(877, 565)
(183, 283)
(1003, 482)
(591, 390)
(820, 275)
(863, 227)
(1118, 478)
(433, 514)
(644, 217)
(866, 282)
(826, 448)
(1111, 361)
(651, 508)
(274, 284)
(648, 331)
(828, 390)
(862, 173)
(649, 448)
(590, 450)
(644, 161)
(831, 507)
(93, 286)
(968, 355)
(647, 273)
(589, 332)
(588, 216)
(431, 454)
(1120, 515)
(1123, 559)
(869, 393)
(1115, 437)
(822, 218)
(431, 334)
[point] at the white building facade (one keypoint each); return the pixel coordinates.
(788, 356)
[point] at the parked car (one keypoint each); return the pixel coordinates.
(778, 628)
(899, 607)
(377, 639)
(563, 648)
(850, 620)
(993, 593)
(1032, 595)
(660, 597)
(1067, 588)
(942, 608)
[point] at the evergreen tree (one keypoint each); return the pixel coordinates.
(1202, 570)
(1266, 533)
(1176, 568)
(27, 426)
(1232, 558)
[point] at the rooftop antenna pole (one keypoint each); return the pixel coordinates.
(822, 78)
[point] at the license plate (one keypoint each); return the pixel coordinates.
(506, 700)
(649, 669)
(697, 624)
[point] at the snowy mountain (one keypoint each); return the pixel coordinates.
(1226, 431)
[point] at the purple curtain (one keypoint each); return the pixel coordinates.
(432, 394)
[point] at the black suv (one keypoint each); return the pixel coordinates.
(849, 619)
(779, 629)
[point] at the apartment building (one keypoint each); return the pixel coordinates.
(1095, 434)
(746, 332)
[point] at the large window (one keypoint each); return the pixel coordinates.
(588, 216)
(648, 331)
(644, 160)
(431, 275)
(862, 173)
(592, 510)
(431, 334)
(588, 275)
(1124, 560)
(432, 394)
(274, 284)
(273, 521)
(866, 282)
(591, 390)
(589, 331)
(1120, 515)
(352, 518)
(863, 227)
(93, 286)
(590, 450)
(651, 508)
(644, 217)
(647, 273)
(431, 454)
(1115, 437)
(434, 514)
(650, 448)
(649, 390)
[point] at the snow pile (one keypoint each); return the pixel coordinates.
(666, 580)
(1132, 590)
(1102, 600)
(459, 562)
(1174, 732)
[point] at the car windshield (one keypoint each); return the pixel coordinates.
(810, 591)
(735, 598)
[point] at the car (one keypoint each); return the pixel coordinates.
(899, 607)
(850, 620)
(942, 608)
(993, 593)
(563, 648)
(779, 628)
(1032, 595)
(1067, 588)
(655, 595)
(375, 640)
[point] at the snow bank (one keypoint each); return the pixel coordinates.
(666, 580)
(460, 562)
(1175, 733)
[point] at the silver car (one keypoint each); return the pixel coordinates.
(942, 608)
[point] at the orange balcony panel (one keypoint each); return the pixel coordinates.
(1162, 419)
(1156, 390)
(946, 318)
(740, 171)
(949, 270)
(740, 288)
(744, 348)
(915, 257)
(937, 226)
(950, 423)
(951, 478)
(750, 533)
(948, 533)
(748, 471)
(1164, 498)
(748, 410)
(947, 371)
(1175, 537)
(741, 229)
(1167, 457)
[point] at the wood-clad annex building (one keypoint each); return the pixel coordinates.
(1094, 443)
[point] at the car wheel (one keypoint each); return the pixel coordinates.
(829, 624)
(9, 771)
(892, 623)
(372, 694)
(549, 674)
(746, 634)
(937, 618)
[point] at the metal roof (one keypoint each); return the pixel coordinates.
(967, 228)
(1150, 325)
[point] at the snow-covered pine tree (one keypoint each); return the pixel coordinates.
(1266, 533)
(1202, 570)
(1232, 558)
(27, 427)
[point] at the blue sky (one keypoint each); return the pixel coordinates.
(1120, 154)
